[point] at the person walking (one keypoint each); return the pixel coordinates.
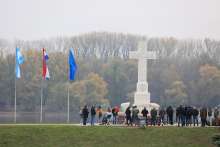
(85, 114)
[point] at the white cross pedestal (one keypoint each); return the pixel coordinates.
(142, 95)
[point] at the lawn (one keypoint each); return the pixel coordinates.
(76, 136)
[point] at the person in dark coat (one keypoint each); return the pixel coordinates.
(128, 116)
(184, 116)
(162, 113)
(170, 115)
(195, 114)
(189, 110)
(179, 115)
(135, 112)
(203, 115)
(85, 114)
(153, 114)
(144, 112)
(114, 114)
(93, 114)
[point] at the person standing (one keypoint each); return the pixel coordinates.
(128, 116)
(203, 115)
(216, 113)
(144, 112)
(179, 115)
(93, 113)
(153, 114)
(114, 114)
(170, 115)
(195, 114)
(109, 115)
(210, 116)
(99, 112)
(189, 110)
(85, 114)
(162, 113)
(135, 118)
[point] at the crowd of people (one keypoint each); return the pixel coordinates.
(180, 116)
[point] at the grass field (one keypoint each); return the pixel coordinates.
(76, 136)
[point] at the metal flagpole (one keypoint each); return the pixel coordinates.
(68, 93)
(41, 102)
(41, 96)
(15, 102)
(68, 105)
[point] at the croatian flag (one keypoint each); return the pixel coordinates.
(45, 71)
(19, 60)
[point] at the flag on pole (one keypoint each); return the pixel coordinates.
(19, 59)
(45, 71)
(72, 65)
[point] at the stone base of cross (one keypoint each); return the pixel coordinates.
(142, 95)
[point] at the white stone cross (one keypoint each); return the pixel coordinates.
(142, 96)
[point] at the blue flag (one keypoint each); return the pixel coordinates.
(72, 65)
(19, 59)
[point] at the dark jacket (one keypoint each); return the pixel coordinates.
(144, 112)
(128, 112)
(170, 111)
(93, 112)
(203, 113)
(114, 112)
(195, 112)
(85, 112)
(162, 113)
(153, 113)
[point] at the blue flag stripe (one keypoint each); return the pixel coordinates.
(72, 65)
(19, 60)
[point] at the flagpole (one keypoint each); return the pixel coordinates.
(41, 93)
(15, 100)
(41, 102)
(68, 93)
(15, 103)
(68, 105)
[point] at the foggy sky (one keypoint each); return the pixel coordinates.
(38, 19)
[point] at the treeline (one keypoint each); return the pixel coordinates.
(186, 71)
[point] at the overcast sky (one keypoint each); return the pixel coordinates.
(37, 19)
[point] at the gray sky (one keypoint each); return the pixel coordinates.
(37, 19)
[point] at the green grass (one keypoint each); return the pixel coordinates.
(73, 136)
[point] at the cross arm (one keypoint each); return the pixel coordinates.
(150, 55)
